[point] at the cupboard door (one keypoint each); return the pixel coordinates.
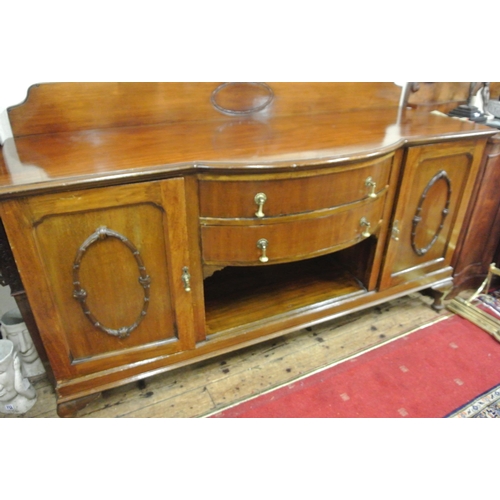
(435, 188)
(105, 271)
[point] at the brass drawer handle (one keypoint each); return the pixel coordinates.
(369, 183)
(260, 199)
(366, 227)
(262, 244)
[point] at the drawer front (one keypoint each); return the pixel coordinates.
(289, 241)
(293, 193)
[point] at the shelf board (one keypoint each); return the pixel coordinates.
(238, 296)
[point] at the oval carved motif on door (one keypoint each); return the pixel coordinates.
(437, 190)
(80, 294)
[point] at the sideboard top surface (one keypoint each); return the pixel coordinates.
(84, 134)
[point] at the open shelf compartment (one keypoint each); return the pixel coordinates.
(238, 296)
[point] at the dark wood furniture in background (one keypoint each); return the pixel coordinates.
(155, 225)
(477, 247)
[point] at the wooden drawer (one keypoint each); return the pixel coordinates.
(291, 193)
(298, 238)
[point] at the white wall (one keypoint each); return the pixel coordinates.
(5, 130)
(12, 92)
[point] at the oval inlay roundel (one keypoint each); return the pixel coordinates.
(244, 98)
(424, 231)
(80, 294)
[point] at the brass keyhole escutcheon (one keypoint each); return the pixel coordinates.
(262, 244)
(260, 199)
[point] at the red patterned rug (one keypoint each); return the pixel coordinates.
(443, 370)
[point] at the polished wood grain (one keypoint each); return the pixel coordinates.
(99, 157)
(65, 107)
(194, 255)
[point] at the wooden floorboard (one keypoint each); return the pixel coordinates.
(206, 387)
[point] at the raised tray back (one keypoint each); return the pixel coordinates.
(66, 107)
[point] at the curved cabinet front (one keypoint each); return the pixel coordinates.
(296, 238)
(301, 191)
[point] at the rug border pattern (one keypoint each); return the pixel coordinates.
(473, 408)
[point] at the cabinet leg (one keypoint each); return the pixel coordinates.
(438, 293)
(438, 305)
(69, 408)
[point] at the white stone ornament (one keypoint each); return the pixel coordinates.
(15, 330)
(17, 395)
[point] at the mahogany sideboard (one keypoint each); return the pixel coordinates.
(154, 225)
